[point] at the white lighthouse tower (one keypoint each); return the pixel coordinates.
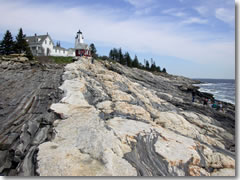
(78, 39)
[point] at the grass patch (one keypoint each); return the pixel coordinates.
(61, 59)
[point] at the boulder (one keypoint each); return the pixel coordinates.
(22, 59)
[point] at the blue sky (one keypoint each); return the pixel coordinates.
(193, 38)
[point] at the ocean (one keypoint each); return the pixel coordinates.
(222, 89)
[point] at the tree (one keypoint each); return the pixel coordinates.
(164, 70)
(152, 61)
(20, 45)
(128, 59)
(7, 44)
(111, 54)
(153, 66)
(121, 60)
(115, 54)
(158, 69)
(147, 65)
(93, 50)
(124, 60)
(135, 62)
(58, 44)
(103, 57)
(141, 66)
(29, 53)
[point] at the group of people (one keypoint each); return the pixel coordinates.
(216, 105)
(208, 102)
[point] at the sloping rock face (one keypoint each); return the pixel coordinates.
(27, 89)
(117, 121)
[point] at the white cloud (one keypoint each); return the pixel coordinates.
(140, 3)
(168, 11)
(101, 27)
(223, 10)
(144, 11)
(202, 10)
(194, 20)
(174, 12)
(225, 15)
(179, 14)
(142, 7)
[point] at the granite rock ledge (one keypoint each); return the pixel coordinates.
(118, 121)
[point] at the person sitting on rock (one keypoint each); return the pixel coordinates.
(221, 107)
(214, 105)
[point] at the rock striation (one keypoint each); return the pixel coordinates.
(27, 89)
(117, 121)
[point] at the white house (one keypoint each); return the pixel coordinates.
(43, 45)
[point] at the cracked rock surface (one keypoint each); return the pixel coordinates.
(27, 89)
(117, 121)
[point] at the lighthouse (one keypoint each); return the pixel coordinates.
(78, 38)
(81, 49)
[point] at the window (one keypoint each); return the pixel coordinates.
(49, 42)
(55, 50)
(45, 41)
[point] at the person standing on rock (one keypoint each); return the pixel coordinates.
(193, 95)
(205, 101)
(219, 106)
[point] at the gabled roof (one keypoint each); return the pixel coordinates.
(37, 39)
(60, 48)
(81, 46)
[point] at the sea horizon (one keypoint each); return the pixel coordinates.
(213, 78)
